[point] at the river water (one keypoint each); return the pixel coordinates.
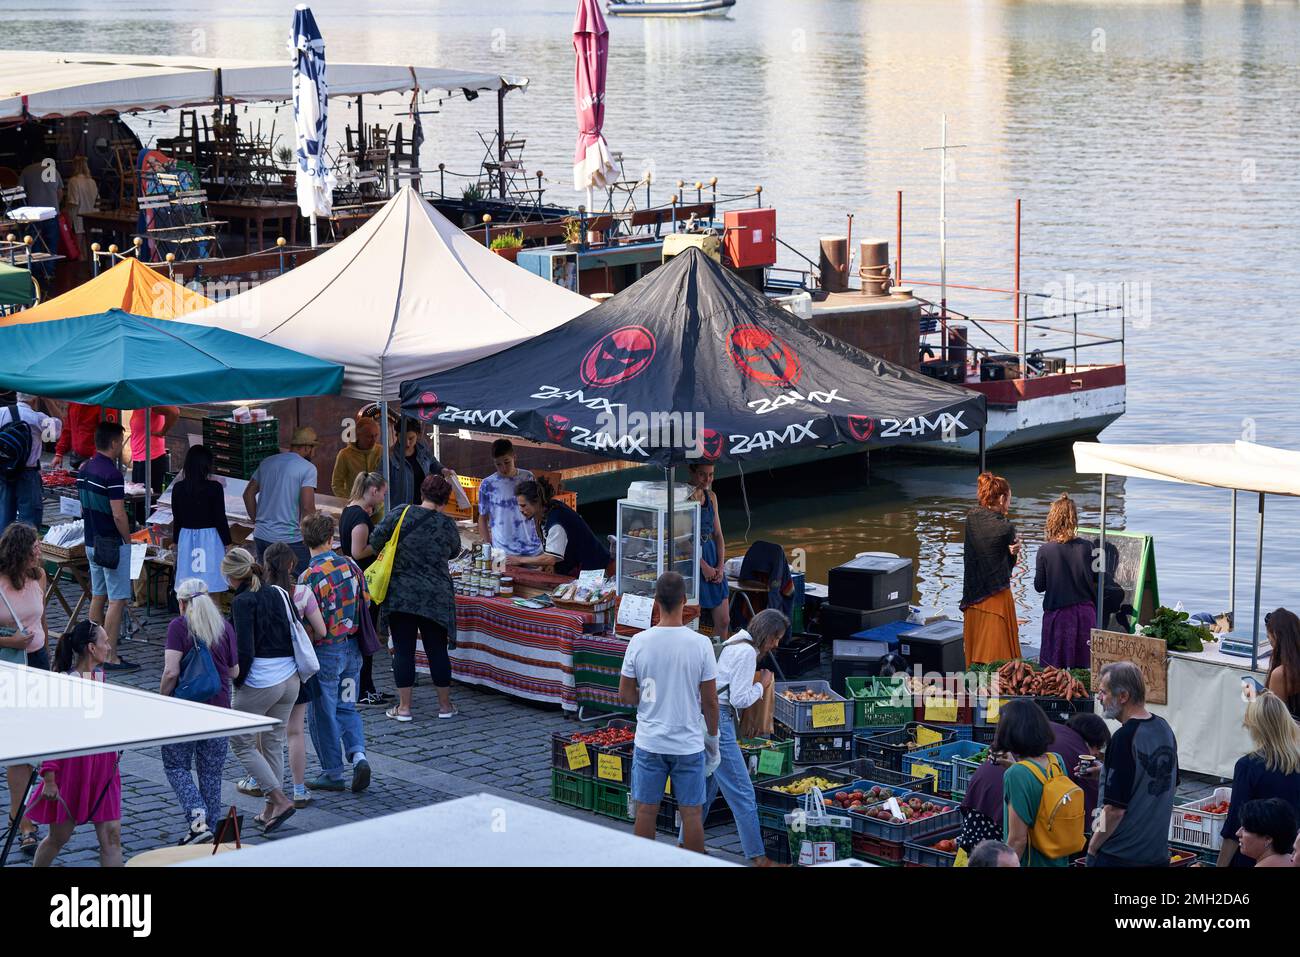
(1151, 144)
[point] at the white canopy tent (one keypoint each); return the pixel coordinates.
(477, 831)
(43, 84)
(48, 716)
(406, 295)
(1239, 466)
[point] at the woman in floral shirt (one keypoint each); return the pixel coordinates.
(421, 601)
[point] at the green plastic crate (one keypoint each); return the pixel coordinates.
(752, 749)
(571, 789)
(878, 702)
(612, 800)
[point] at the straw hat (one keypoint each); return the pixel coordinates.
(304, 436)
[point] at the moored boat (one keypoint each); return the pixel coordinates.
(669, 8)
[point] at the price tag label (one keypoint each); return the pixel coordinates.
(771, 762)
(828, 715)
(592, 579)
(578, 756)
(609, 767)
(941, 709)
(994, 710)
(924, 770)
(925, 735)
(895, 809)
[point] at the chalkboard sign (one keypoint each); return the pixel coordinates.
(1130, 570)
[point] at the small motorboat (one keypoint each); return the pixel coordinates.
(668, 8)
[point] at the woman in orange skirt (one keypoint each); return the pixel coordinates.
(991, 551)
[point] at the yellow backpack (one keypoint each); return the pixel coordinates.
(1058, 824)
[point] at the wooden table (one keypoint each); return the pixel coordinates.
(78, 570)
(256, 213)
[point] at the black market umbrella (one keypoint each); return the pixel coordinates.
(692, 364)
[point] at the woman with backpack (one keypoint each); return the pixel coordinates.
(1043, 810)
(86, 789)
(198, 633)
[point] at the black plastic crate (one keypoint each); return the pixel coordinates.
(864, 769)
(887, 749)
(817, 747)
(774, 800)
(798, 655)
(228, 429)
(669, 823)
(560, 740)
(776, 843)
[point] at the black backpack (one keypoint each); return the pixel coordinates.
(15, 444)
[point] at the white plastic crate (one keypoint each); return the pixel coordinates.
(1192, 825)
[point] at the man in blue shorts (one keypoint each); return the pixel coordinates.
(108, 537)
(669, 675)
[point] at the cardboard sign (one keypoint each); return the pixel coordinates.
(924, 770)
(577, 756)
(609, 767)
(771, 762)
(941, 709)
(1149, 654)
(828, 715)
(927, 736)
(635, 611)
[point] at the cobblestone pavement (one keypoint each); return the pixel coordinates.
(496, 744)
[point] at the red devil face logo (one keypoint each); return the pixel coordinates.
(763, 357)
(428, 405)
(861, 427)
(557, 426)
(711, 445)
(618, 356)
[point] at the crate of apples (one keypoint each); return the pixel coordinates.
(858, 800)
(914, 809)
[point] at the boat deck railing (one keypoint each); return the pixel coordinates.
(1098, 319)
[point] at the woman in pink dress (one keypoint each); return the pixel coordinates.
(86, 789)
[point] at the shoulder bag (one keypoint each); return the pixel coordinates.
(304, 654)
(380, 571)
(14, 656)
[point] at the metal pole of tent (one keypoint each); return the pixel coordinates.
(982, 451)
(671, 520)
(148, 460)
(387, 454)
(1232, 562)
(1259, 568)
(1100, 558)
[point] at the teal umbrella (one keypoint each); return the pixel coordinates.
(124, 361)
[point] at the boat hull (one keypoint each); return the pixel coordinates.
(685, 8)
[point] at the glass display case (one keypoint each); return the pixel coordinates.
(641, 556)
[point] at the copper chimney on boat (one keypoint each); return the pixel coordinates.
(873, 271)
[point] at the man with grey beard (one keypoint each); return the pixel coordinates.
(1139, 777)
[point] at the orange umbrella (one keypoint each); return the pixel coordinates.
(130, 286)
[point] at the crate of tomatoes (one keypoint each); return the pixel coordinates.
(931, 852)
(579, 752)
(1200, 823)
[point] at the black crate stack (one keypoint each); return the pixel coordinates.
(238, 447)
(865, 593)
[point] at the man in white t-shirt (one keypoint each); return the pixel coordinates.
(669, 675)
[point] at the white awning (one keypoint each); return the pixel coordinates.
(477, 831)
(48, 715)
(45, 84)
(406, 295)
(1240, 465)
